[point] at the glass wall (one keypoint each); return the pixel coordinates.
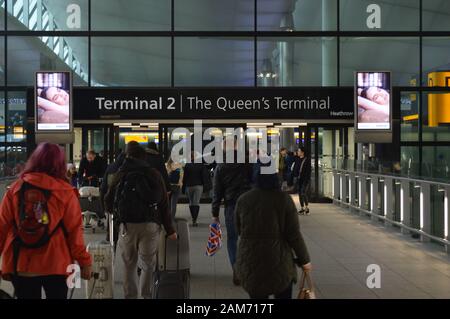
(409, 116)
(395, 15)
(436, 162)
(130, 61)
(239, 43)
(134, 15)
(214, 15)
(306, 15)
(26, 55)
(410, 160)
(401, 56)
(16, 117)
(292, 61)
(49, 15)
(436, 117)
(435, 15)
(214, 62)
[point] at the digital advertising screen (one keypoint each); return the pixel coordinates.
(53, 103)
(373, 100)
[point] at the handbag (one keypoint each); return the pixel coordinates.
(306, 293)
(214, 239)
(4, 294)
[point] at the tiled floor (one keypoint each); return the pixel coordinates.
(341, 246)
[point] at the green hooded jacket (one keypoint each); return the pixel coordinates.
(269, 238)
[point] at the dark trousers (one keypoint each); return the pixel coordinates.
(55, 287)
(232, 236)
(174, 195)
(285, 294)
(303, 189)
(290, 179)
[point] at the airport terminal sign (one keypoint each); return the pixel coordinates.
(213, 103)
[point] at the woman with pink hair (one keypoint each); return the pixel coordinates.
(41, 228)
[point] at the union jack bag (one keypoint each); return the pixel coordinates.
(214, 239)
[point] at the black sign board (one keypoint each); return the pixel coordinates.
(213, 103)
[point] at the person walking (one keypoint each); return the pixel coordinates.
(90, 170)
(103, 159)
(195, 182)
(72, 174)
(156, 161)
(107, 179)
(41, 228)
(268, 228)
(138, 199)
(290, 161)
(302, 170)
(230, 181)
(282, 167)
(175, 172)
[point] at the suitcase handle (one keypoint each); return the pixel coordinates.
(178, 252)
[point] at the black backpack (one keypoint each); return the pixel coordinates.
(134, 199)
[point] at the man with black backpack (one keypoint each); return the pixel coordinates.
(138, 199)
(108, 177)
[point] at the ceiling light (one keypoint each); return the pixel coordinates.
(149, 124)
(294, 124)
(258, 124)
(284, 126)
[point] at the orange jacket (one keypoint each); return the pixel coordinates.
(60, 251)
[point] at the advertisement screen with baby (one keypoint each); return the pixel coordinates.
(53, 101)
(373, 91)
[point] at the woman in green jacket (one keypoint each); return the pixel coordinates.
(269, 236)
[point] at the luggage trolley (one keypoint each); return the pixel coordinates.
(91, 207)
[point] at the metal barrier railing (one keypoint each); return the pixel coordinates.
(416, 206)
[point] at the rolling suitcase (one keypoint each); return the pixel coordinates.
(101, 285)
(90, 206)
(172, 276)
(167, 250)
(118, 266)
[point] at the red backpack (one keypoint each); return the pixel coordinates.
(32, 231)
